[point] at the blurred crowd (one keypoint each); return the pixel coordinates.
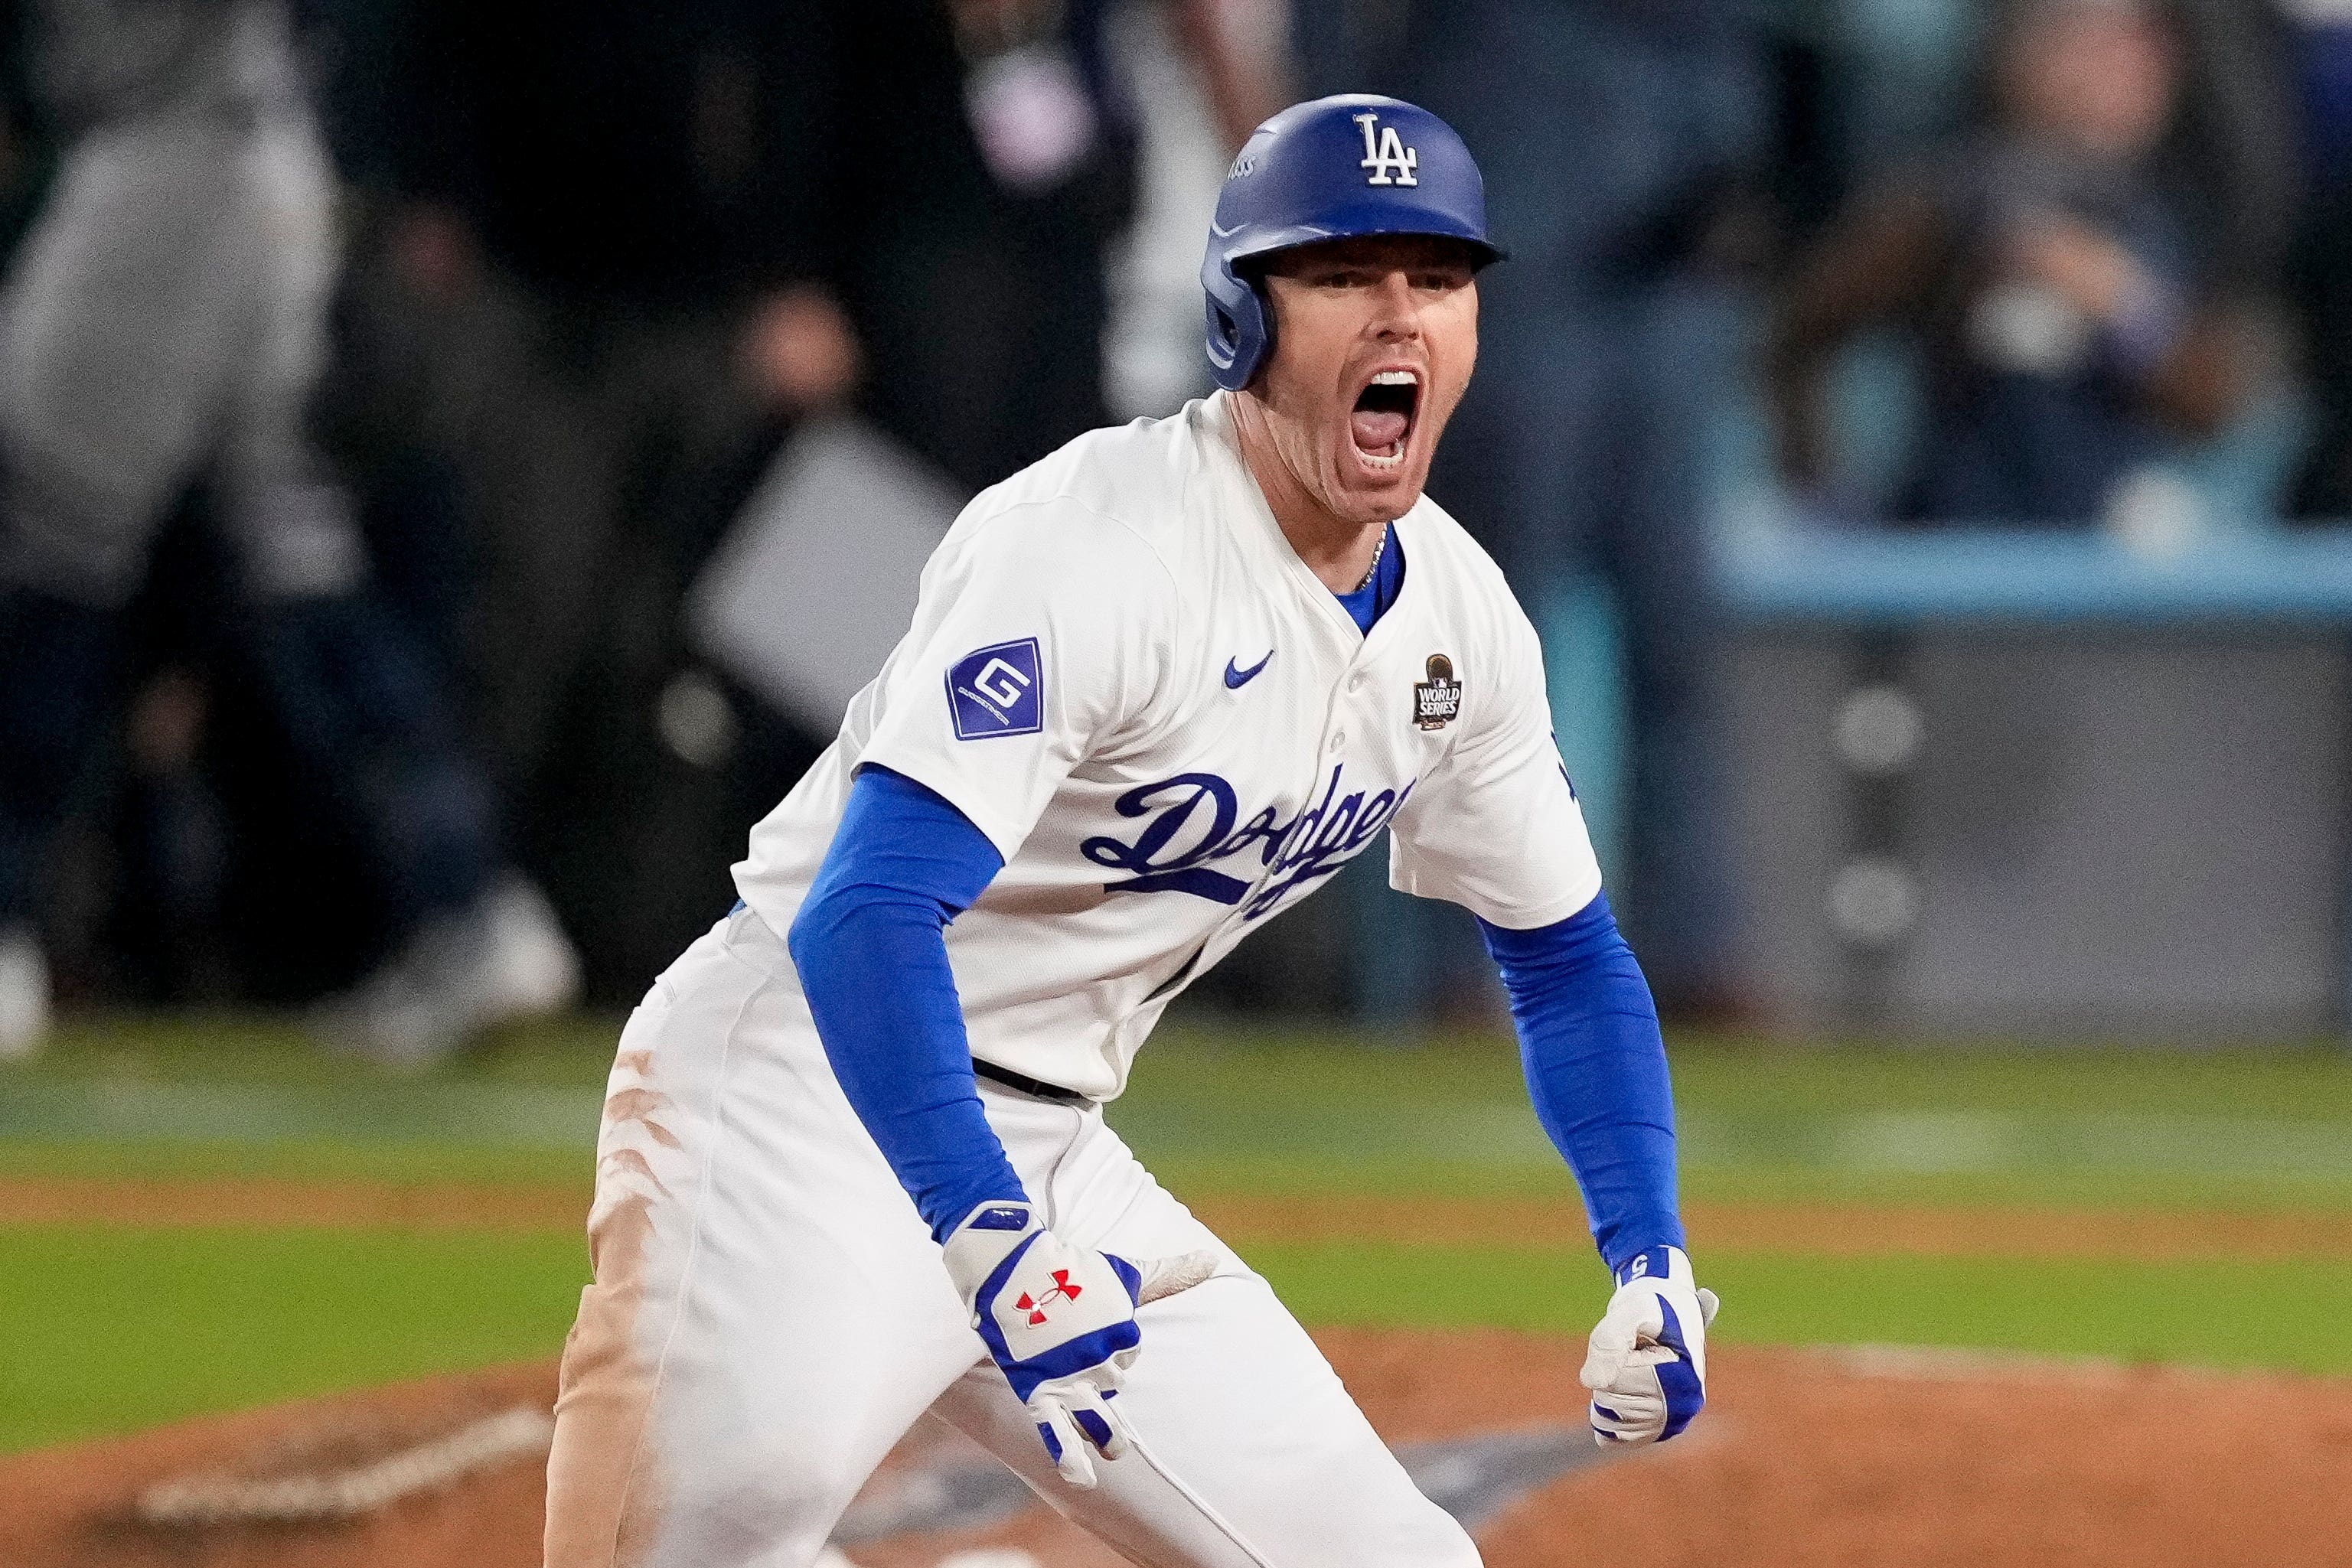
(378, 377)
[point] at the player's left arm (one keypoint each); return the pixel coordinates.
(1495, 826)
(1596, 1069)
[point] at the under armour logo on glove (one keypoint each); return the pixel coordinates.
(1063, 1291)
(1060, 1322)
(1647, 1363)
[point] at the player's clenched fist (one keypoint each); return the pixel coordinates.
(1060, 1320)
(1647, 1363)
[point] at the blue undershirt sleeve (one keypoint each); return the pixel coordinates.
(870, 944)
(1596, 1069)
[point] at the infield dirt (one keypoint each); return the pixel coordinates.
(1805, 1458)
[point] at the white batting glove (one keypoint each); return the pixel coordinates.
(1647, 1363)
(1060, 1322)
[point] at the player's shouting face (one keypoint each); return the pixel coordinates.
(1373, 343)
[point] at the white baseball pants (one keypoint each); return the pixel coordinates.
(770, 1316)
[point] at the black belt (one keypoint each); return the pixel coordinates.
(1037, 1087)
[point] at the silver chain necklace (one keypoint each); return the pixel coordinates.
(1379, 550)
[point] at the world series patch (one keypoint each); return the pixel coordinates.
(996, 691)
(1437, 701)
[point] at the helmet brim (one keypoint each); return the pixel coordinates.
(1265, 245)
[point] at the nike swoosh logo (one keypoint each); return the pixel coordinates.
(1223, 233)
(1236, 677)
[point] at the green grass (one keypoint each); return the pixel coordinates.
(2232, 1129)
(267, 1049)
(114, 1328)
(400, 1163)
(2199, 1313)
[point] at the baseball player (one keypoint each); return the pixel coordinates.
(855, 1166)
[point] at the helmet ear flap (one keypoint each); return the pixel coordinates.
(1240, 329)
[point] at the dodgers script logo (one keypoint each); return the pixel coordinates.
(1390, 160)
(996, 691)
(1193, 824)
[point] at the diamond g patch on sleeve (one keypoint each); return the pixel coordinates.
(997, 690)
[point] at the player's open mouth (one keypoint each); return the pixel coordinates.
(1381, 422)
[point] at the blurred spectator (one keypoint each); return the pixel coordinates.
(618, 252)
(2319, 44)
(988, 162)
(590, 291)
(2228, 158)
(21, 154)
(160, 328)
(1618, 139)
(1206, 73)
(2078, 313)
(1900, 71)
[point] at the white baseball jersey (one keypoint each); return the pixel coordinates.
(1124, 675)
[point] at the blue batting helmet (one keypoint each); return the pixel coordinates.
(1332, 168)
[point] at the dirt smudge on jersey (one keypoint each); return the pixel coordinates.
(640, 1104)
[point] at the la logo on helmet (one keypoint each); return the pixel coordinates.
(1385, 153)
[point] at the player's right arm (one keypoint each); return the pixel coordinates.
(1037, 639)
(871, 949)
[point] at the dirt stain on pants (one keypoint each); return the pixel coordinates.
(602, 1495)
